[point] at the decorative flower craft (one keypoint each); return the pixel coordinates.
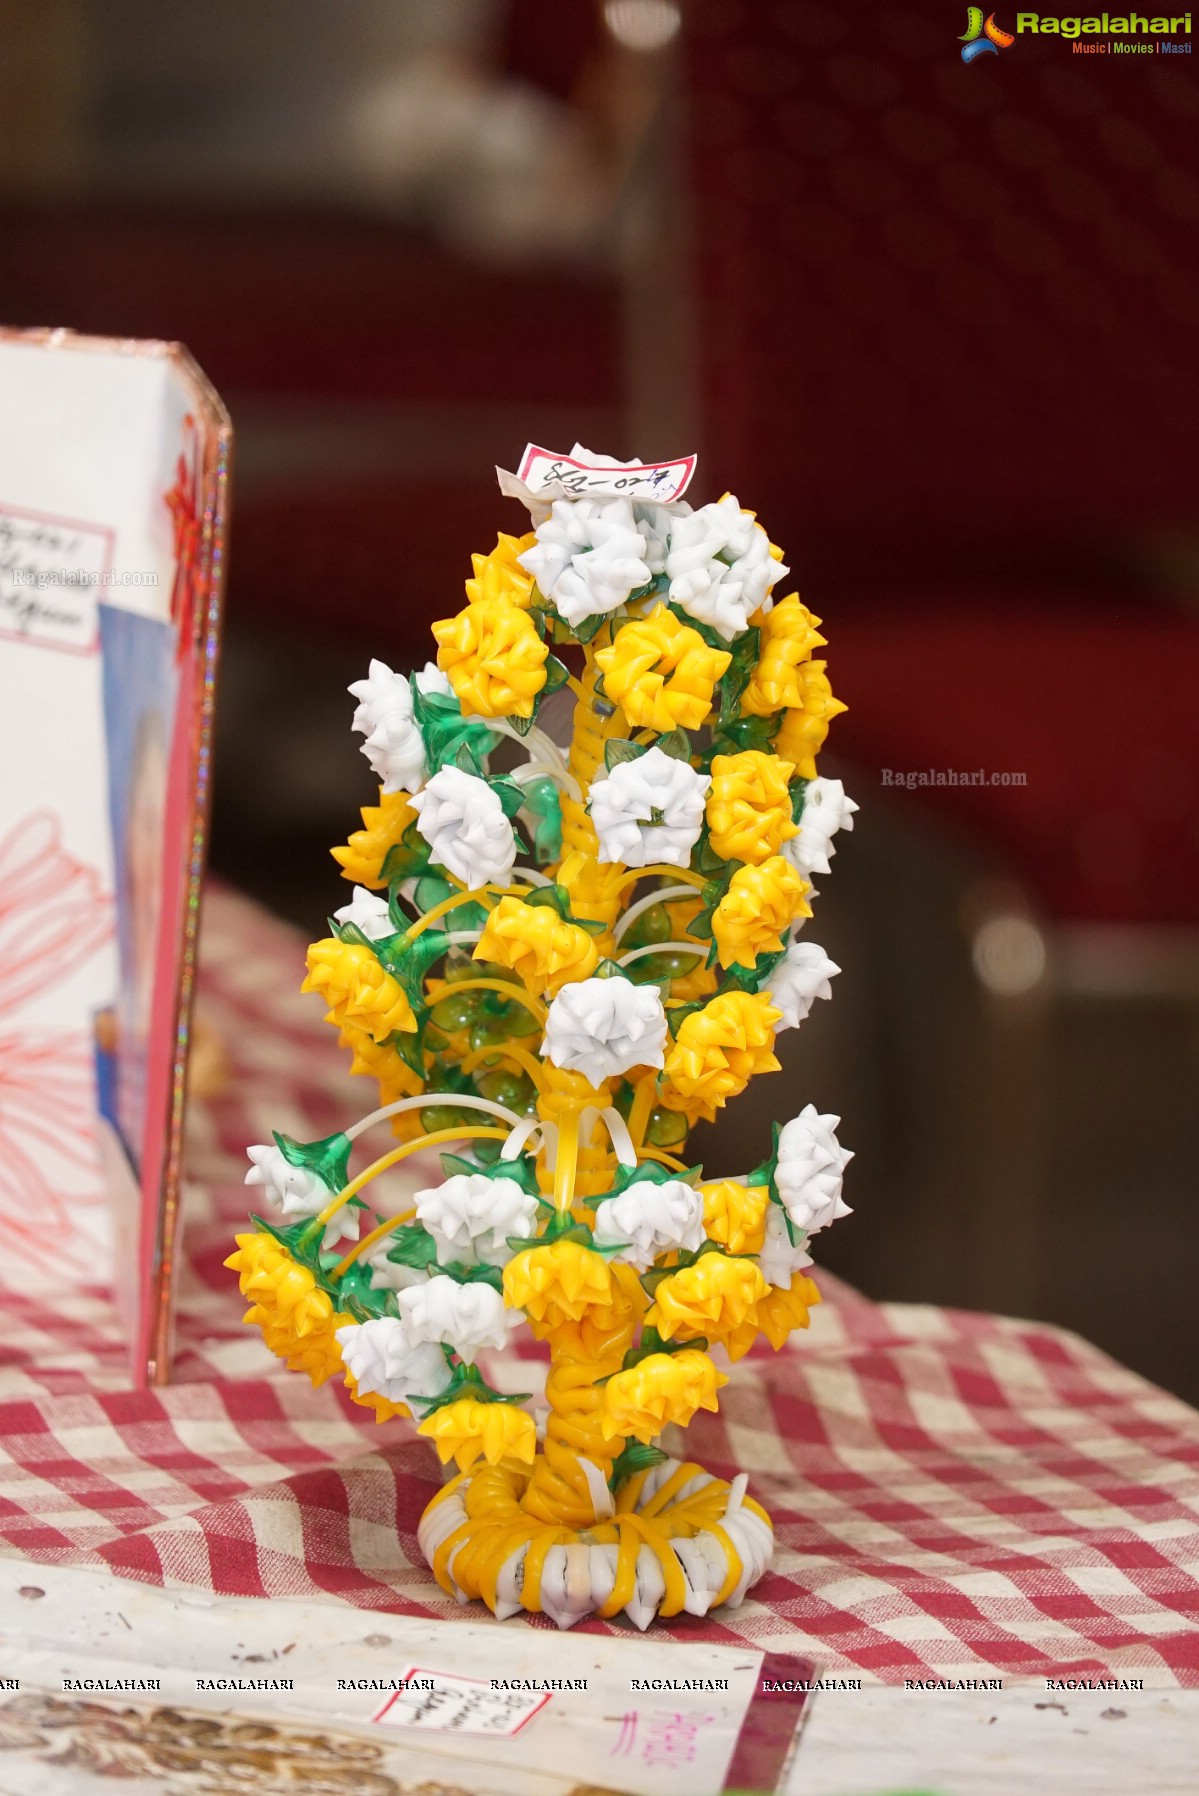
(551, 972)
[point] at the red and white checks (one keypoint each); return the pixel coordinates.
(954, 1495)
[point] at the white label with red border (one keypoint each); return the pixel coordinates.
(572, 477)
(458, 1705)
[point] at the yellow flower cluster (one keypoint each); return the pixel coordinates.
(662, 1388)
(385, 1410)
(500, 575)
(711, 1297)
(789, 634)
(735, 1215)
(562, 1281)
(805, 725)
(760, 905)
(661, 672)
(493, 657)
(749, 805)
(467, 1430)
(357, 989)
(361, 859)
(534, 942)
(718, 1050)
(297, 1320)
(784, 1308)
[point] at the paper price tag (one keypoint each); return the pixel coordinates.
(544, 475)
(459, 1705)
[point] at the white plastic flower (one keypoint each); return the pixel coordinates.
(588, 557)
(601, 1027)
(802, 976)
(369, 913)
(298, 1191)
(390, 1275)
(649, 810)
(431, 679)
(652, 1219)
(810, 1167)
(465, 1317)
(471, 1216)
(720, 566)
(384, 1359)
(463, 822)
(827, 807)
(393, 745)
(778, 1260)
(657, 524)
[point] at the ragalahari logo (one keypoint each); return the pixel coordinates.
(983, 37)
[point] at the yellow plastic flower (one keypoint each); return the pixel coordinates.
(563, 1281)
(661, 672)
(785, 1308)
(357, 988)
(757, 910)
(749, 805)
(718, 1050)
(385, 1410)
(595, 888)
(468, 1429)
(662, 1388)
(711, 1297)
(297, 1320)
(500, 575)
(735, 1215)
(533, 941)
(494, 658)
(362, 857)
(804, 727)
(789, 634)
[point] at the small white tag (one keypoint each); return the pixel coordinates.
(459, 1705)
(544, 475)
(52, 571)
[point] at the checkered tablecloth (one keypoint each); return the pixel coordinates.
(954, 1495)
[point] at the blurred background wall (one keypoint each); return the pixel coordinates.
(934, 321)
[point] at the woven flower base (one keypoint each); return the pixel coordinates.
(552, 972)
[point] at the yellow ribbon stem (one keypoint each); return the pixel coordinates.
(393, 1158)
(642, 1108)
(683, 874)
(507, 1051)
(656, 1153)
(516, 992)
(566, 1161)
(397, 1154)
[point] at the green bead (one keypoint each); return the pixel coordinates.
(666, 1128)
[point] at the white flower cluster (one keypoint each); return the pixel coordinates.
(602, 1027)
(588, 557)
(720, 566)
(827, 808)
(649, 810)
(802, 976)
(298, 1191)
(470, 1217)
(810, 1168)
(386, 1361)
(648, 1219)
(369, 913)
(464, 1317)
(393, 745)
(464, 823)
(778, 1260)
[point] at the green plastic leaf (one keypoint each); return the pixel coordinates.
(522, 1168)
(619, 749)
(405, 858)
(328, 1158)
(590, 627)
(556, 675)
(408, 961)
(676, 744)
(638, 1456)
(445, 732)
(412, 1245)
(510, 794)
(799, 792)
(737, 675)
